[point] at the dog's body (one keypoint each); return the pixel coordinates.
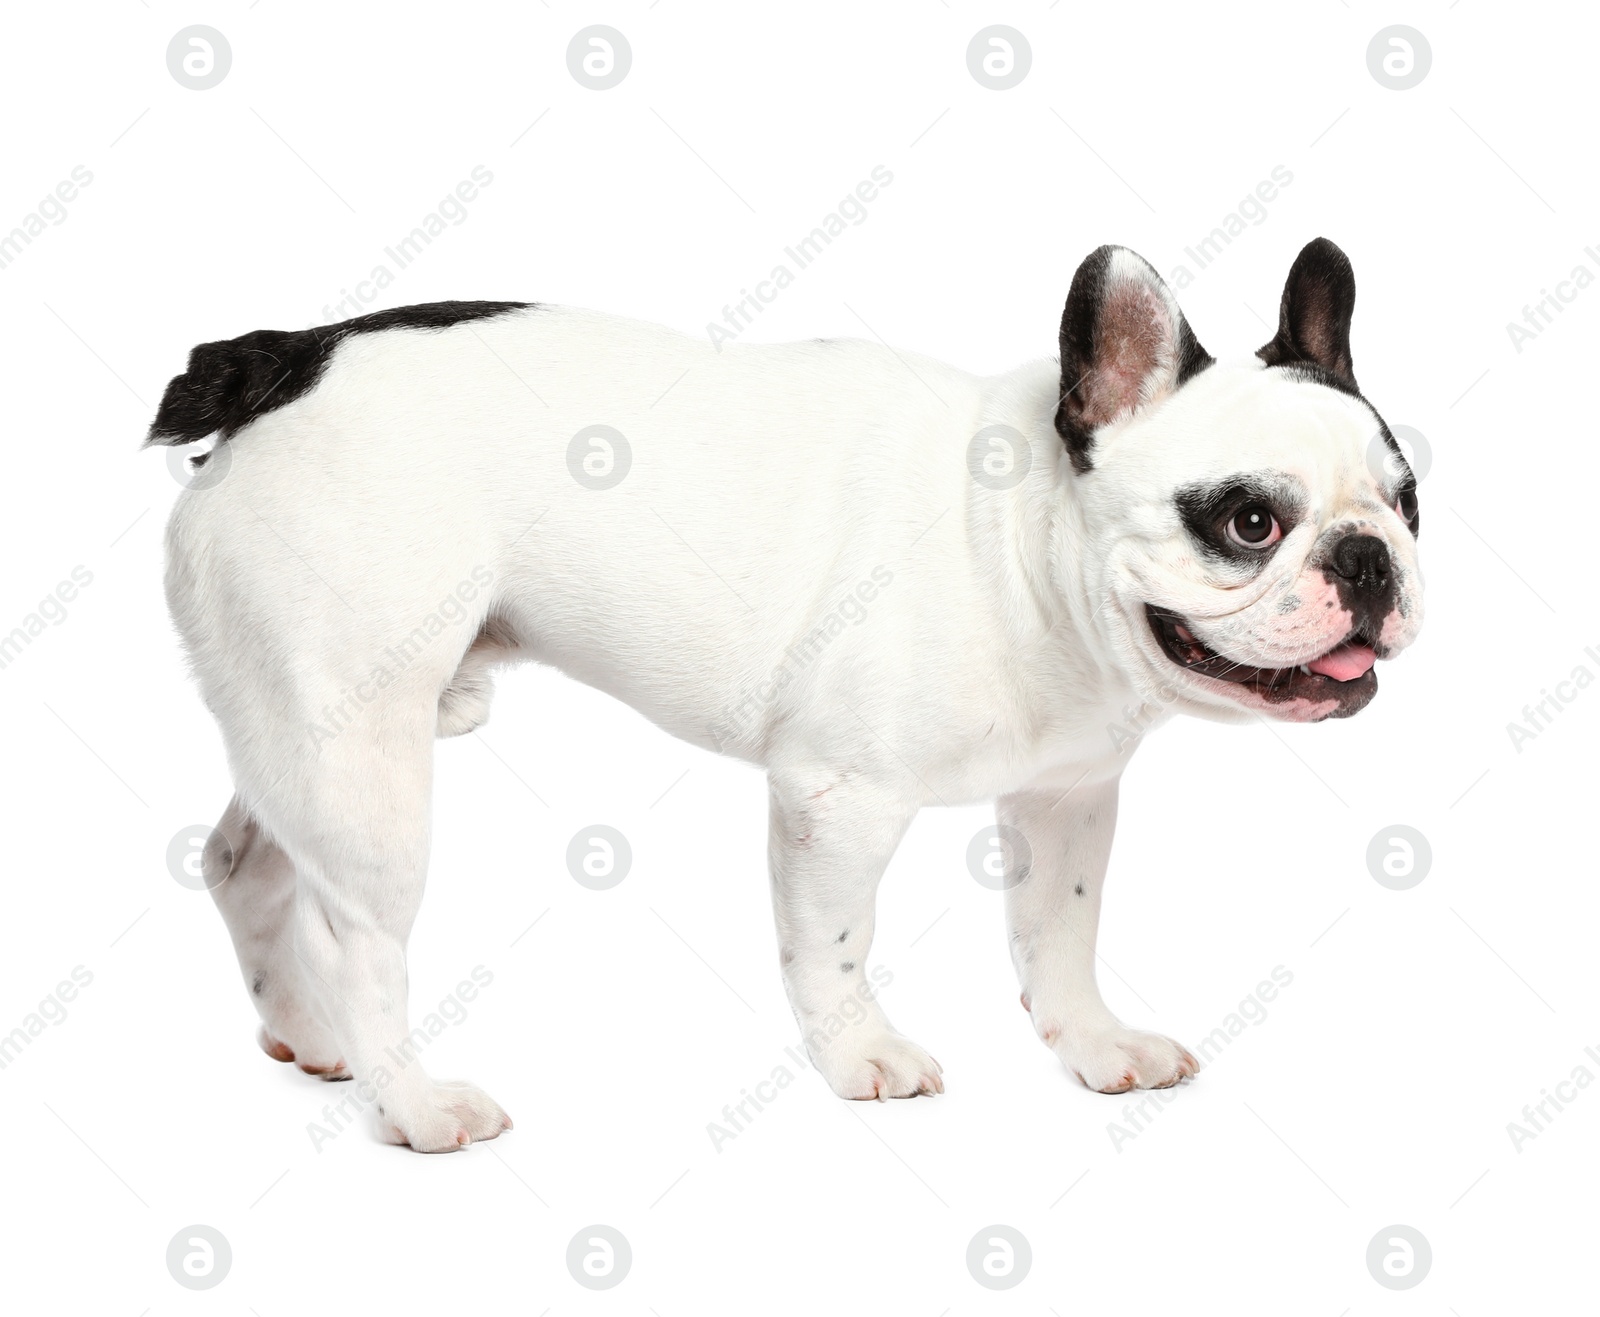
(889, 583)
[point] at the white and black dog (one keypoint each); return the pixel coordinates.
(1027, 561)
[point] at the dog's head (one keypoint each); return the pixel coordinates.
(1250, 556)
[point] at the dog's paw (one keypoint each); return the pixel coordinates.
(1115, 1060)
(881, 1065)
(440, 1117)
(316, 1056)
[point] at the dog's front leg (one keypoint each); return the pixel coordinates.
(1053, 913)
(831, 838)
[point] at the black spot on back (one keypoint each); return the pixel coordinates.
(234, 381)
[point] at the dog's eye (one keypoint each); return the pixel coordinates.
(1254, 527)
(1405, 503)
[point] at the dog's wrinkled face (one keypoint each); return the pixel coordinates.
(1253, 557)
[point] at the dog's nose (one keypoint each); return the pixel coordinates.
(1363, 560)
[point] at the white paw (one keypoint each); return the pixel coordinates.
(440, 1117)
(1115, 1059)
(879, 1065)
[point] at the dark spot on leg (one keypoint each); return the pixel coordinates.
(786, 956)
(844, 935)
(1078, 889)
(259, 982)
(848, 966)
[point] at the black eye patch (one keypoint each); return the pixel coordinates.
(1206, 510)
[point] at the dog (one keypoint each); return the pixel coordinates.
(885, 581)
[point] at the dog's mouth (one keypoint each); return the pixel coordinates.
(1345, 674)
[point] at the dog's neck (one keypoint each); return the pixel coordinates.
(1033, 546)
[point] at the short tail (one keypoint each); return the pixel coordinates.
(231, 382)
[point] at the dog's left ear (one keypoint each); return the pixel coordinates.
(1124, 345)
(1314, 316)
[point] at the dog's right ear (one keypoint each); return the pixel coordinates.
(1319, 298)
(1124, 345)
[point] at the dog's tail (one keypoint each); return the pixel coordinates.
(231, 382)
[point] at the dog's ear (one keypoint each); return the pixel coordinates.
(1124, 345)
(1319, 298)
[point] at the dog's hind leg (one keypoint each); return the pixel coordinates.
(253, 883)
(353, 815)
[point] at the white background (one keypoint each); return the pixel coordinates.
(1379, 1086)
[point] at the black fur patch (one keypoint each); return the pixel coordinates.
(1319, 298)
(1313, 344)
(1086, 340)
(230, 383)
(1205, 511)
(1360, 569)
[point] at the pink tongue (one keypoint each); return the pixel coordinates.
(1345, 663)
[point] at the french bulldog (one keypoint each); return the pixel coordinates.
(885, 581)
